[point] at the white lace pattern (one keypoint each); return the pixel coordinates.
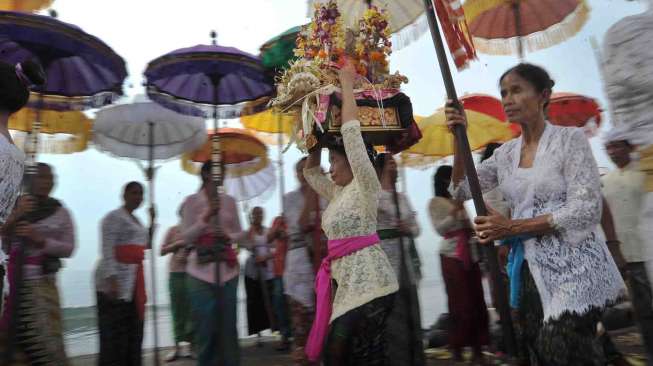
(572, 268)
(12, 164)
(352, 211)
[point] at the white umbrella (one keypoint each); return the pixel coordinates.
(401, 13)
(146, 131)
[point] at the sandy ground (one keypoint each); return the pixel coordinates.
(628, 341)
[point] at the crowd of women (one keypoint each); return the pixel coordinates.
(336, 273)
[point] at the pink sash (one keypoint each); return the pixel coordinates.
(337, 249)
(462, 246)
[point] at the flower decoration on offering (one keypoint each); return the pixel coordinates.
(310, 86)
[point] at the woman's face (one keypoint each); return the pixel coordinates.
(339, 170)
(257, 216)
(43, 181)
(521, 101)
(133, 197)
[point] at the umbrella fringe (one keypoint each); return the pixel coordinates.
(549, 37)
(410, 33)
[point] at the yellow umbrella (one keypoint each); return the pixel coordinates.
(69, 131)
(268, 124)
(437, 141)
(25, 5)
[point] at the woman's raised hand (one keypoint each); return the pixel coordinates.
(347, 73)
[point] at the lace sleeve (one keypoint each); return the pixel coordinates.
(320, 183)
(487, 177)
(111, 229)
(409, 215)
(440, 218)
(582, 209)
(62, 243)
(360, 163)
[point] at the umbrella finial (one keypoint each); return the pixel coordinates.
(53, 13)
(214, 36)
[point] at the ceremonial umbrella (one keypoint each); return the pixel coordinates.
(574, 110)
(486, 124)
(68, 132)
(212, 81)
(81, 72)
(401, 13)
(278, 51)
(248, 172)
(504, 27)
(25, 5)
(146, 131)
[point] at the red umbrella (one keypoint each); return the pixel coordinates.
(487, 104)
(504, 27)
(574, 110)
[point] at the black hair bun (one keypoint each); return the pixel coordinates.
(34, 72)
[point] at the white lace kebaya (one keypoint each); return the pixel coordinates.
(572, 267)
(352, 211)
(12, 164)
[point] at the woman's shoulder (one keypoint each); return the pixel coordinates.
(439, 203)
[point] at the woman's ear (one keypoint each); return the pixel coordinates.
(546, 95)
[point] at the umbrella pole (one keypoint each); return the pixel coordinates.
(407, 278)
(31, 146)
(472, 177)
(282, 177)
(150, 242)
(216, 173)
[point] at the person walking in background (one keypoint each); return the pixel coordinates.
(120, 282)
(198, 228)
(404, 326)
(260, 279)
(623, 189)
(44, 227)
(174, 245)
(301, 206)
(468, 316)
(279, 241)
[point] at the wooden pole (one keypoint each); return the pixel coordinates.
(150, 241)
(470, 171)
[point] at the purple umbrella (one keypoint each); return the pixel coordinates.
(210, 81)
(81, 70)
(206, 80)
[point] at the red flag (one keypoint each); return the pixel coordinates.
(454, 26)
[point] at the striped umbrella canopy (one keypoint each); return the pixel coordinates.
(145, 130)
(268, 125)
(248, 170)
(65, 132)
(504, 27)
